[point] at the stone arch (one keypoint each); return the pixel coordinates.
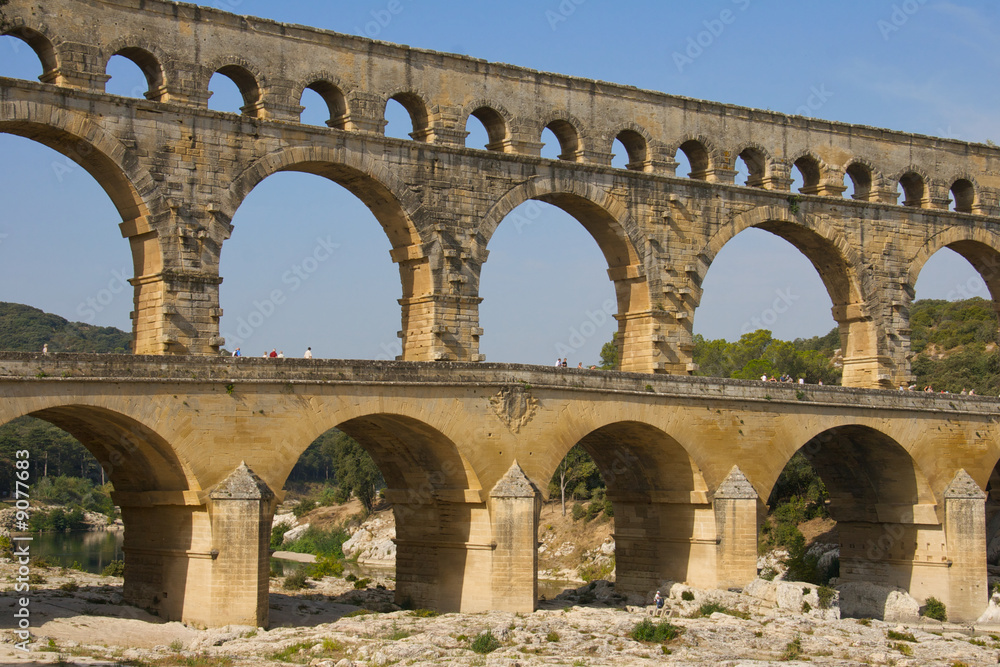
(334, 93)
(369, 179)
(147, 57)
(40, 40)
(965, 193)
(636, 141)
(758, 160)
(569, 133)
(865, 468)
(979, 246)
(247, 76)
(838, 265)
(864, 176)
(130, 187)
(617, 233)
(134, 455)
(812, 170)
(497, 120)
(438, 502)
(700, 153)
(888, 517)
(916, 186)
(607, 219)
(410, 453)
(418, 106)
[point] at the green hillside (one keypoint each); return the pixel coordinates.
(27, 329)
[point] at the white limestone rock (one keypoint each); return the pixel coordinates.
(373, 542)
(868, 600)
(295, 533)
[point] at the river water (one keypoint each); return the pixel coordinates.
(93, 550)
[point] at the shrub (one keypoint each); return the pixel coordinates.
(305, 506)
(278, 535)
(553, 636)
(362, 583)
(319, 542)
(826, 595)
(326, 566)
(687, 596)
(295, 580)
(69, 586)
(592, 572)
(578, 512)
(594, 509)
(647, 631)
(485, 642)
(424, 613)
(710, 608)
(806, 607)
(905, 649)
(900, 636)
(358, 612)
(115, 568)
(935, 609)
(793, 650)
(768, 573)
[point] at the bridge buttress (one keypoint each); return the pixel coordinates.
(735, 505)
(965, 531)
(515, 506)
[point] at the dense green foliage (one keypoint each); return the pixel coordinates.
(609, 356)
(576, 476)
(75, 492)
(27, 329)
(338, 458)
(53, 453)
(758, 353)
(317, 541)
(56, 519)
(935, 609)
(647, 631)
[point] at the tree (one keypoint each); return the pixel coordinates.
(355, 470)
(609, 355)
(576, 469)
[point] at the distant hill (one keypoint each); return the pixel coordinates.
(27, 329)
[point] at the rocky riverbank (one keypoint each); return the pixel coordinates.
(79, 618)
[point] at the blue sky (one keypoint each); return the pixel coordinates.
(919, 66)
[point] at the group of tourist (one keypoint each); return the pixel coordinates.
(564, 363)
(275, 353)
(784, 378)
(930, 390)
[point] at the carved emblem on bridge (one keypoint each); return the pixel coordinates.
(514, 406)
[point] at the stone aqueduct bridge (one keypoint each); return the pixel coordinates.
(178, 172)
(464, 447)
(199, 448)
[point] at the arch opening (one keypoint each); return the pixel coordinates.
(543, 292)
(697, 158)
(858, 180)
(775, 316)
(963, 195)
(69, 228)
(135, 72)
(403, 472)
(913, 190)
(23, 63)
(310, 261)
(490, 132)
(566, 138)
(630, 151)
(234, 89)
(643, 488)
(413, 114)
(324, 104)
(582, 333)
(806, 175)
(953, 320)
(882, 512)
(751, 167)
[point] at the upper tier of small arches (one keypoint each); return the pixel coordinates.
(351, 107)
